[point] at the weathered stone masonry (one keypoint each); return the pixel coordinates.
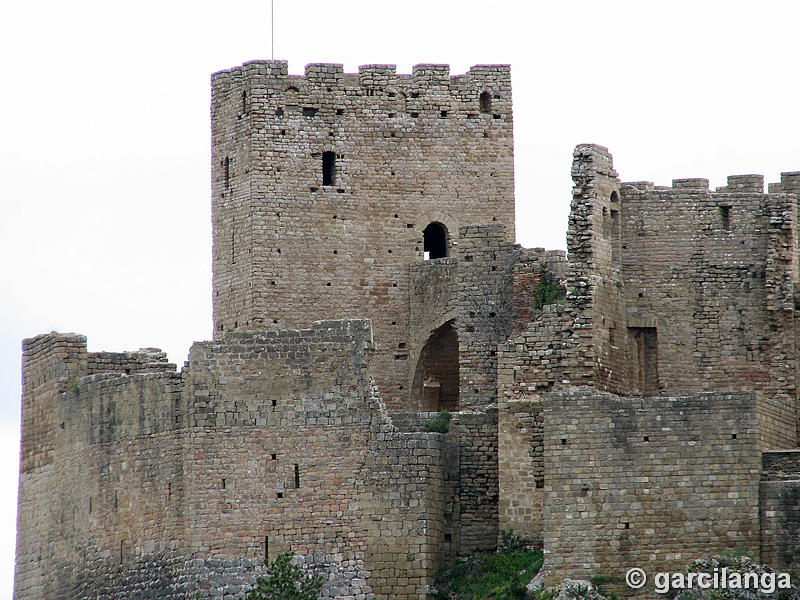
(364, 278)
(671, 292)
(409, 150)
(265, 443)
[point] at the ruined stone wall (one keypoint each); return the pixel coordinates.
(652, 482)
(713, 273)
(409, 150)
(779, 501)
(179, 486)
(100, 483)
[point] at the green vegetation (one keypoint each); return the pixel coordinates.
(285, 581)
(73, 386)
(439, 424)
(547, 291)
(491, 576)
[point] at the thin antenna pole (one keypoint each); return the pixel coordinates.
(272, 27)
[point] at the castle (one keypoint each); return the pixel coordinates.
(365, 276)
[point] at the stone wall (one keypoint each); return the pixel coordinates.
(713, 273)
(267, 442)
(409, 150)
(780, 510)
(521, 467)
(101, 475)
(652, 482)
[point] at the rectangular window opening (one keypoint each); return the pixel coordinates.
(328, 168)
(645, 359)
(297, 476)
(725, 217)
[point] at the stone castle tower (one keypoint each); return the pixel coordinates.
(326, 187)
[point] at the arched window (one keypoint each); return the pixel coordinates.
(486, 102)
(328, 168)
(435, 241)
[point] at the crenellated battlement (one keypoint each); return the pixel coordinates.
(429, 87)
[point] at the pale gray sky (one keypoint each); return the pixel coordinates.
(104, 154)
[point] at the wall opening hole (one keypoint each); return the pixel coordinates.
(223, 484)
(274, 403)
(645, 354)
(435, 241)
(328, 168)
(274, 456)
(725, 217)
(297, 476)
(539, 484)
(485, 102)
(279, 495)
(563, 441)
(733, 436)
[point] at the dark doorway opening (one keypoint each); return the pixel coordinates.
(436, 382)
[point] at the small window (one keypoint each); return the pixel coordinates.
(435, 241)
(725, 217)
(486, 102)
(328, 168)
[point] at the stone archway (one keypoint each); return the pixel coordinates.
(436, 384)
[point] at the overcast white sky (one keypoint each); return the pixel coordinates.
(104, 147)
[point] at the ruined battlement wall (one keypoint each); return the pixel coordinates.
(267, 442)
(100, 484)
(654, 481)
(677, 289)
(324, 184)
(714, 273)
(146, 360)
